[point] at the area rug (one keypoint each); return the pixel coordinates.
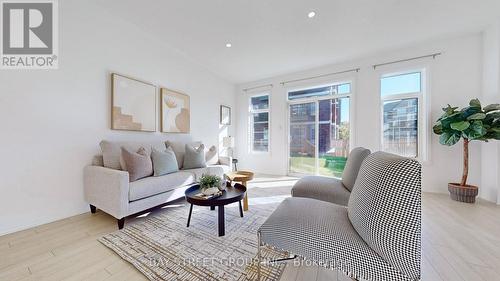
(163, 248)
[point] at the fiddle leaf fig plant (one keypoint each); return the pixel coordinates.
(470, 123)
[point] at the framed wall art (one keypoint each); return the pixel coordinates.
(175, 112)
(225, 115)
(133, 104)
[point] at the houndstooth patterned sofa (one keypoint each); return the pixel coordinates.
(376, 237)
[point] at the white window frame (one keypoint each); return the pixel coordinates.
(251, 112)
(422, 120)
(316, 100)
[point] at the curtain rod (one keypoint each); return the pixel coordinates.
(319, 76)
(257, 87)
(410, 59)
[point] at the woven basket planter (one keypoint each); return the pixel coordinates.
(462, 193)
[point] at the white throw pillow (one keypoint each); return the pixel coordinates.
(211, 155)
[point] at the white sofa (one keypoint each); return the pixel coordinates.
(107, 186)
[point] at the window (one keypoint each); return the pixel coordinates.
(321, 91)
(401, 98)
(259, 123)
(319, 130)
(401, 84)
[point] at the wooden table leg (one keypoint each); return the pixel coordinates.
(222, 227)
(189, 217)
(245, 200)
(245, 203)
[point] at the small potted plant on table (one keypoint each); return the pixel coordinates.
(210, 184)
(470, 123)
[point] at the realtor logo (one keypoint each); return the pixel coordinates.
(29, 35)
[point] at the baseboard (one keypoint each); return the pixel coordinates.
(46, 221)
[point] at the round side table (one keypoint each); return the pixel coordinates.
(243, 177)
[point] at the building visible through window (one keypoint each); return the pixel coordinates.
(319, 130)
(400, 127)
(259, 123)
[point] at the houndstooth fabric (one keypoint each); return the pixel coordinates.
(377, 238)
(321, 232)
(352, 166)
(385, 210)
(322, 188)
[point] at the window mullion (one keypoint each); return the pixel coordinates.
(401, 96)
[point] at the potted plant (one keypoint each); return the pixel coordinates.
(469, 123)
(210, 184)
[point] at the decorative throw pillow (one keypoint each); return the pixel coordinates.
(211, 155)
(164, 162)
(139, 164)
(110, 155)
(194, 157)
(112, 151)
(178, 149)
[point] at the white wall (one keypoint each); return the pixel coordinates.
(52, 121)
(490, 152)
(455, 78)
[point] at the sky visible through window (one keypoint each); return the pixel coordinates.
(344, 88)
(344, 110)
(400, 84)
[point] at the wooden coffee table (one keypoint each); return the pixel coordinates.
(243, 177)
(230, 195)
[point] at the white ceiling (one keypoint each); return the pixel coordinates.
(273, 37)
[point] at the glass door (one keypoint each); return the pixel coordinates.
(302, 138)
(333, 136)
(319, 137)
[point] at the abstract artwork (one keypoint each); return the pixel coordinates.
(134, 104)
(225, 115)
(175, 114)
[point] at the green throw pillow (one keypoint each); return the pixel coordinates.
(164, 162)
(194, 157)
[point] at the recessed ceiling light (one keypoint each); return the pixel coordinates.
(311, 14)
(228, 45)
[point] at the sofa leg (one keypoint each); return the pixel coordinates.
(93, 209)
(121, 223)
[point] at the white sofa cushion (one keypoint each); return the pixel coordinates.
(155, 185)
(196, 172)
(218, 170)
(225, 168)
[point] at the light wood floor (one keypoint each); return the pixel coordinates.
(461, 242)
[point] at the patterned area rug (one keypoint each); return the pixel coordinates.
(163, 248)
